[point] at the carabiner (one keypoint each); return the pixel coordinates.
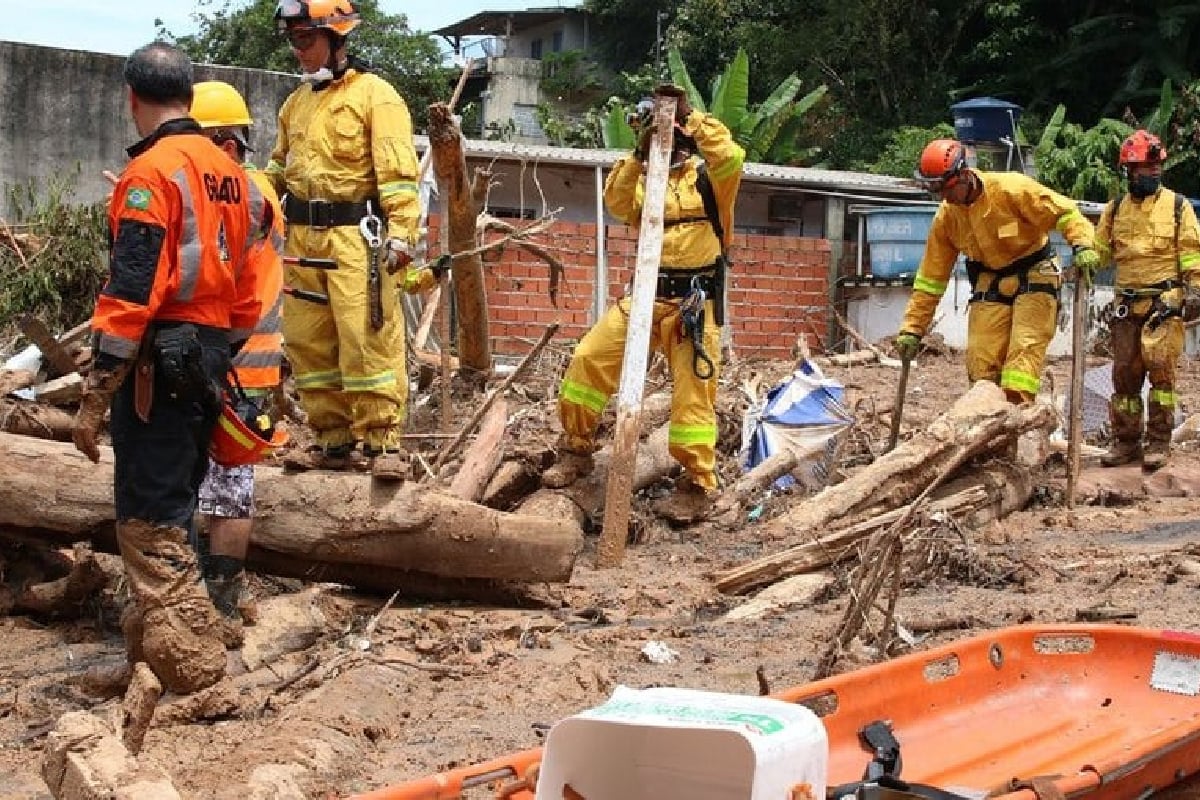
(371, 228)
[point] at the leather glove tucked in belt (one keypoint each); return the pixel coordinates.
(98, 391)
(1086, 261)
(399, 255)
(907, 345)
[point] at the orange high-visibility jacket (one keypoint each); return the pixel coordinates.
(182, 218)
(258, 363)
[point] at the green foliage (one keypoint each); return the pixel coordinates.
(569, 75)
(1081, 163)
(769, 131)
(617, 134)
(903, 151)
(233, 33)
(57, 267)
(571, 130)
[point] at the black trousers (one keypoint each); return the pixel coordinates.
(160, 464)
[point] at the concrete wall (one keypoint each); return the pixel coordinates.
(68, 110)
(513, 94)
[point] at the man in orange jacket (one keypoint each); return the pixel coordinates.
(227, 494)
(179, 300)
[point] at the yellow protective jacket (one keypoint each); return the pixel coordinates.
(691, 243)
(1147, 244)
(1012, 218)
(350, 141)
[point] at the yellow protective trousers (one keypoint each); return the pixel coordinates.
(1007, 344)
(595, 371)
(1144, 348)
(351, 379)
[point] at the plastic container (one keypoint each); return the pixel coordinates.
(985, 119)
(896, 239)
(684, 744)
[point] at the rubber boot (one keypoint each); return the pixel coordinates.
(224, 577)
(1159, 421)
(687, 504)
(184, 638)
(570, 467)
(389, 465)
(339, 458)
(1125, 413)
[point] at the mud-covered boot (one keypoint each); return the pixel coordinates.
(338, 458)
(1122, 452)
(1160, 420)
(225, 578)
(687, 504)
(570, 467)
(1155, 455)
(389, 465)
(184, 637)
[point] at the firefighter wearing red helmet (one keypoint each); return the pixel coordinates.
(1152, 235)
(1001, 222)
(346, 167)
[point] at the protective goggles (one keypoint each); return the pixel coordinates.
(939, 185)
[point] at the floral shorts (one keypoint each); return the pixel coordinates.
(228, 492)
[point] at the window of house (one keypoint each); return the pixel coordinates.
(535, 49)
(556, 42)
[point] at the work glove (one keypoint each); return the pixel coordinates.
(399, 255)
(907, 345)
(441, 266)
(683, 109)
(98, 391)
(1086, 261)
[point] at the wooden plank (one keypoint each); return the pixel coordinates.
(1075, 407)
(618, 494)
(64, 391)
(483, 456)
(57, 356)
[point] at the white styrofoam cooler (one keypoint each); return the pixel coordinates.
(686, 744)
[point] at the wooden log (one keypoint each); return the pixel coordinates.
(27, 418)
(316, 525)
(483, 456)
(974, 424)
(62, 391)
(512, 481)
(979, 498)
(84, 758)
(756, 480)
(619, 493)
(798, 590)
(13, 379)
(57, 356)
(64, 597)
(470, 294)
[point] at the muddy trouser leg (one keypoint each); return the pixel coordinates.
(988, 325)
(157, 471)
(1161, 349)
(1128, 375)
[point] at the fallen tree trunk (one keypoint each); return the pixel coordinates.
(978, 421)
(34, 419)
(991, 493)
(316, 525)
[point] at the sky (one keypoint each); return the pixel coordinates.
(122, 27)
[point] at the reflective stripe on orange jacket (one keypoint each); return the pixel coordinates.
(182, 218)
(258, 364)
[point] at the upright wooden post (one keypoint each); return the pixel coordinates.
(619, 491)
(1075, 404)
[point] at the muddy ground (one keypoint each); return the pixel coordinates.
(444, 684)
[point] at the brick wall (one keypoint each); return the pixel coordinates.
(780, 288)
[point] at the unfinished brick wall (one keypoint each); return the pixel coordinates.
(780, 288)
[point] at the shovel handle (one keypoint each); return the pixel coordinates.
(305, 294)
(315, 263)
(898, 406)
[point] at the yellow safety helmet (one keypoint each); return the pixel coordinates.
(216, 104)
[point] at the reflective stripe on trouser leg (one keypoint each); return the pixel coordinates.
(591, 378)
(1125, 413)
(693, 430)
(310, 335)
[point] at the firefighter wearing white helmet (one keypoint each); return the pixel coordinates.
(345, 162)
(1151, 233)
(226, 497)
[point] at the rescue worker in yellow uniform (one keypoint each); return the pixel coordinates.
(226, 497)
(686, 326)
(1001, 222)
(1152, 235)
(345, 165)
(179, 302)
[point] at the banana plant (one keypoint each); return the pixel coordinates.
(768, 131)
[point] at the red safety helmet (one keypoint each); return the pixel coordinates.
(237, 443)
(1142, 147)
(941, 161)
(339, 16)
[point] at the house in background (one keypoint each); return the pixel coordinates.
(512, 52)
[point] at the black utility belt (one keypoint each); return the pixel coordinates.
(1019, 268)
(326, 213)
(1152, 290)
(674, 284)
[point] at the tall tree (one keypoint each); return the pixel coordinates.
(237, 33)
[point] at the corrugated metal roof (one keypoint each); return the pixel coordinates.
(800, 177)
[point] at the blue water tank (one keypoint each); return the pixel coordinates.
(896, 238)
(985, 119)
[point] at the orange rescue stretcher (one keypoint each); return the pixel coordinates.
(1023, 713)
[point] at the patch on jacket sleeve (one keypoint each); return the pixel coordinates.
(138, 198)
(134, 261)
